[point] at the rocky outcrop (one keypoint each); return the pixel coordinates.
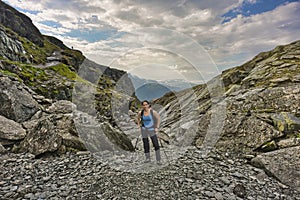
(11, 48)
(20, 24)
(57, 130)
(16, 101)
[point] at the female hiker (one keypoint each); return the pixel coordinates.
(148, 122)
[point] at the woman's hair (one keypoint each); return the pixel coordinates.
(145, 101)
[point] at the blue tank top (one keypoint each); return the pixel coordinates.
(148, 122)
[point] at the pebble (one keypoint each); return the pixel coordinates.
(83, 176)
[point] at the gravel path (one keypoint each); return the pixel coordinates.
(83, 176)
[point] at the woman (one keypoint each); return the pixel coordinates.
(148, 123)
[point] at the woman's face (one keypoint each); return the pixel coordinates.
(145, 105)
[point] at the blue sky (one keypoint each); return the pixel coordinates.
(133, 33)
(248, 8)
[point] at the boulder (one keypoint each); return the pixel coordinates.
(11, 130)
(117, 137)
(100, 136)
(41, 138)
(16, 102)
(282, 164)
(51, 133)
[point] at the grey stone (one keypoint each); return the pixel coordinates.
(11, 130)
(16, 104)
(282, 164)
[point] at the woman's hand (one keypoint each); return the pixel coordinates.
(156, 130)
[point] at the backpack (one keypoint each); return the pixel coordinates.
(153, 117)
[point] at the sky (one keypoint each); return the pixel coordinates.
(167, 39)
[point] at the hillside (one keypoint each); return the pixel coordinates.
(251, 111)
(38, 76)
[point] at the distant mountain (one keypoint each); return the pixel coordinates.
(150, 91)
(147, 89)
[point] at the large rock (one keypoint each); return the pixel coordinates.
(42, 138)
(52, 131)
(286, 122)
(16, 102)
(282, 164)
(241, 133)
(11, 130)
(99, 137)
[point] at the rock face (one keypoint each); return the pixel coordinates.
(11, 48)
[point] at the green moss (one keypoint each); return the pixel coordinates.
(64, 70)
(8, 73)
(32, 74)
(38, 54)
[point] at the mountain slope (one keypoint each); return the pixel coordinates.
(261, 103)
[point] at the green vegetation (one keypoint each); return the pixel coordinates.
(8, 73)
(64, 70)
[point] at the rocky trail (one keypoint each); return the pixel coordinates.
(83, 176)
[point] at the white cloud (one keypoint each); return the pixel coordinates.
(229, 44)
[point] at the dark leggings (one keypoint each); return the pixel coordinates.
(154, 142)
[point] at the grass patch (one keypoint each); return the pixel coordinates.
(11, 74)
(64, 70)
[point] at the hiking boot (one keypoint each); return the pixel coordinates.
(147, 155)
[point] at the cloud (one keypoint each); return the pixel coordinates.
(111, 29)
(256, 33)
